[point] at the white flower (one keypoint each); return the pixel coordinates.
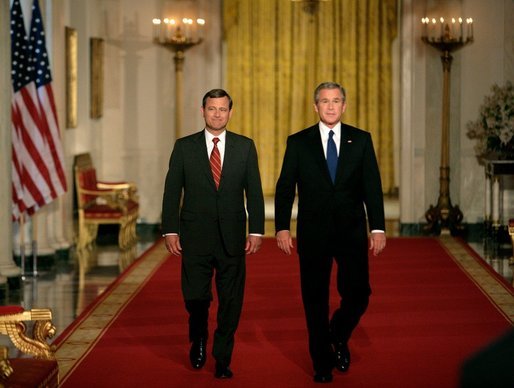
(505, 135)
(491, 122)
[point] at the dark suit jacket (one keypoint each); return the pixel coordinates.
(203, 208)
(327, 210)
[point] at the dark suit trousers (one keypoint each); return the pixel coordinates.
(354, 290)
(229, 272)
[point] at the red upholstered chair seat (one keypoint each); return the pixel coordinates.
(102, 211)
(8, 310)
(106, 211)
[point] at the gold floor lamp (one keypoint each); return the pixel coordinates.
(446, 37)
(178, 36)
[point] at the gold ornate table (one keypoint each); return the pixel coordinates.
(495, 175)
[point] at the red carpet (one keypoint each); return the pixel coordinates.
(425, 317)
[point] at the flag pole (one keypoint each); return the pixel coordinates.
(22, 245)
(34, 245)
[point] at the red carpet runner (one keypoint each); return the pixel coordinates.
(425, 317)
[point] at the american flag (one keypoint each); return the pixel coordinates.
(37, 158)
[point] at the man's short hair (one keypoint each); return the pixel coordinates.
(217, 93)
(328, 85)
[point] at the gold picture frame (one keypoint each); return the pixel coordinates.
(71, 77)
(97, 77)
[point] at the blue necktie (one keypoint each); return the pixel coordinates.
(332, 156)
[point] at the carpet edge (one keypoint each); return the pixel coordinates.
(83, 335)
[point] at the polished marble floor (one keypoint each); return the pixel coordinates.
(498, 255)
(68, 283)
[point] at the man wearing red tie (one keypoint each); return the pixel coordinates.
(334, 168)
(204, 219)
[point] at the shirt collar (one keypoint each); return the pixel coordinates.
(209, 136)
(325, 130)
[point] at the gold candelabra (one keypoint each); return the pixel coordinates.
(446, 38)
(178, 36)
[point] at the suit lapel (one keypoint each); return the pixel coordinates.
(344, 150)
(228, 158)
(317, 150)
(203, 156)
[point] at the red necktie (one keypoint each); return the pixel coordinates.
(216, 162)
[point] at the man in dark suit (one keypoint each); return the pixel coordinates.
(334, 168)
(210, 175)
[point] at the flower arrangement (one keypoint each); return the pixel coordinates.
(494, 129)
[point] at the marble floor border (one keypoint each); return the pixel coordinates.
(498, 292)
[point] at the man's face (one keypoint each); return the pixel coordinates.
(330, 106)
(216, 114)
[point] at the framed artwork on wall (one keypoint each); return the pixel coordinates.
(96, 77)
(71, 77)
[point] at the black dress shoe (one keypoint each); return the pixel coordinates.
(323, 377)
(223, 371)
(342, 354)
(198, 353)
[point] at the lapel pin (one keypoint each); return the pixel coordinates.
(348, 141)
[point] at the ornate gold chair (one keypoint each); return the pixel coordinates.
(101, 202)
(13, 324)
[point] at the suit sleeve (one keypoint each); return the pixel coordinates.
(173, 192)
(286, 188)
(372, 185)
(254, 195)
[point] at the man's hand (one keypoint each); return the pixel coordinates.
(377, 243)
(172, 242)
(253, 244)
(284, 241)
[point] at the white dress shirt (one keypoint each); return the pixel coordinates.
(324, 132)
(221, 144)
